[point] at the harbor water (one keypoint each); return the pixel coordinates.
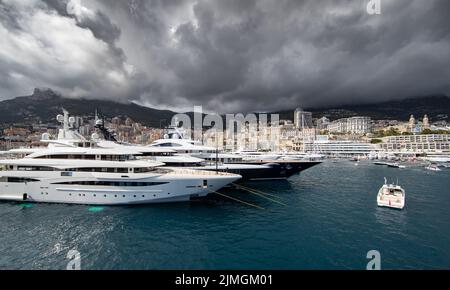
(329, 220)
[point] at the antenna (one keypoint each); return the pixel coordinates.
(217, 152)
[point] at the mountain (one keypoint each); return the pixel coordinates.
(436, 107)
(44, 104)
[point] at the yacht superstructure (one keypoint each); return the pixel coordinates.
(267, 166)
(74, 170)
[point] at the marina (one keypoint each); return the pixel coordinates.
(269, 210)
(74, 170)
(330, 220)
(234, 143)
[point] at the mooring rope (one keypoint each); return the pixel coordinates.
(265, 197)
(238, 200)
(255, 190)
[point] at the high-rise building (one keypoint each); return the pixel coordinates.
(303, 119)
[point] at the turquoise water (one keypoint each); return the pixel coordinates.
(330, 221)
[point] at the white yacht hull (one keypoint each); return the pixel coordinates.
(171, 189)
(391, 204)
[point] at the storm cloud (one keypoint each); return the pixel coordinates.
(229, 56)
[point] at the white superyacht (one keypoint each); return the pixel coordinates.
(82, 173)
(262, 168)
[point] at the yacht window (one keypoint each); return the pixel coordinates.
(110, 183)
(34, 168)
(101, 169)
(17, 179)
(169, 144)
(143, 170)
(65, 156)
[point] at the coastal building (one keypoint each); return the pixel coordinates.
(381, 125)
(417, 144)
(288, 130)
(302, 119)
(343, 148)
(338, 126)
(359, 125)
(400, 127)
(304, 136)
(352, 125)
(322, 123)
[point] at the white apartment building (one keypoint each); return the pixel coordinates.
(417, 144)
(341, 148)
(353, 125)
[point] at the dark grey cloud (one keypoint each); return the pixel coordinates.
(228, 55)
(100, 25)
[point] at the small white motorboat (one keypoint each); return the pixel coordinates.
(391, 195)
(396, 165)
(433, 167)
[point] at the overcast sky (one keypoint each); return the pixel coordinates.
(227, 55)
